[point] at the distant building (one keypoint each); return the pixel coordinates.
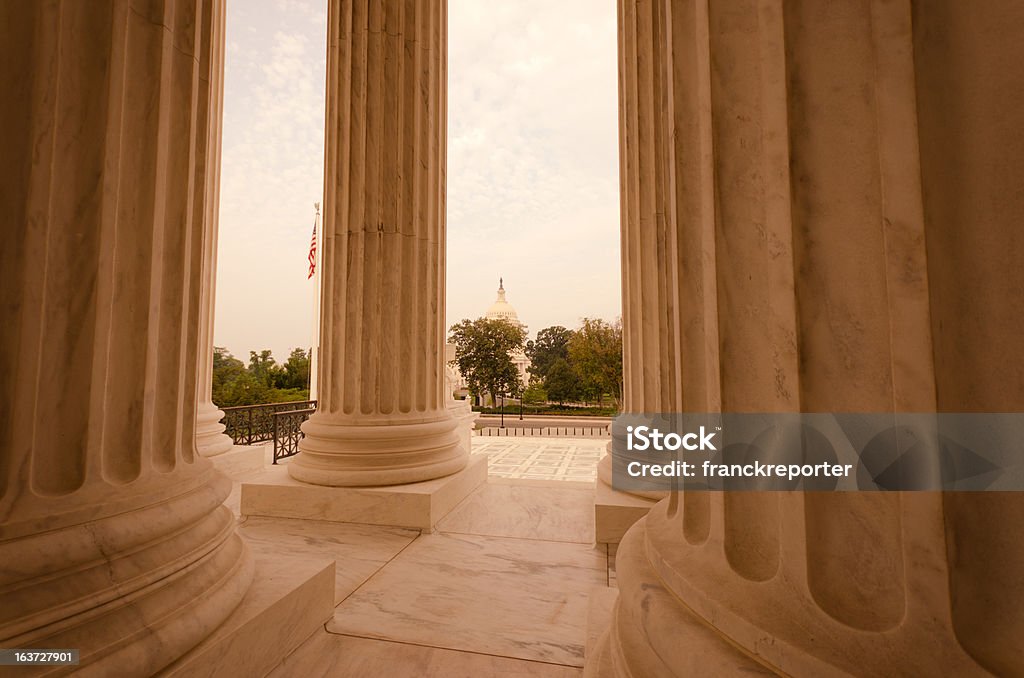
(502, 310)
(499, 310)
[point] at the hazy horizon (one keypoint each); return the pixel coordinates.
(532, 166)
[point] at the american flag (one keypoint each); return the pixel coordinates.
(312, 250)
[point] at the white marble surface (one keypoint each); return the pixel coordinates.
(516, 598)
(290, 598)
(615, 512)
(328, 654)
(242, 460)
(234, 500)
(599, 615)
(419, 505)
(359, 550)
(542, 458)
(553, 512)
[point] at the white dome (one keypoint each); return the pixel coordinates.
(501, 309)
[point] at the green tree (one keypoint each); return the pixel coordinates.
(483, 354)
(227, 369)
(263, 381)
(246, 389)
(562, 383)
(295, 371)
(595, 354)
(534, 394)
(551, 345)
(262, 366)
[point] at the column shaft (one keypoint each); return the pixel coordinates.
(842, 196)
(650, 251)
(113, 538)
(210, 437)
(381, 417)
(649, 248)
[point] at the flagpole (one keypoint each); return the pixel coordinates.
(314, 351)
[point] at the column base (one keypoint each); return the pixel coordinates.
(133, 591)
(652, 633)
(210, 437)
(417, 505)
(466, 418)
(340, 454)
(605, 475)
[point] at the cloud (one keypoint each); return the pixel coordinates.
(271, 174)
(532, 159)
(532, 164)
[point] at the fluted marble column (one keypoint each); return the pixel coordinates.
(113, 537)
(381, 416)
(652, 255)
(860, 239)
(210, 437)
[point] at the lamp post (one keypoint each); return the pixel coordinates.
(503, 409)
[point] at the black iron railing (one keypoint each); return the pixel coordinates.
(288, 432)
(549, 431)
(250, 424)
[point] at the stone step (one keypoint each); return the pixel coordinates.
(416, 505)
(615, 512)
(291, 597)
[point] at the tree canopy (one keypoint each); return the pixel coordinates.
(263, 381)
(582, 364)
(595, 353)
(562, 383)
(551, 345)
(483, 354)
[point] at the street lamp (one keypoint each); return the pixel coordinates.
(503, 409)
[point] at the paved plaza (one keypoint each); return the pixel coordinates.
(531, 458)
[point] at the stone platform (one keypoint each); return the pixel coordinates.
(417, 505)
(290, 598)
(501, 588)
(502, 585)
(615, 512)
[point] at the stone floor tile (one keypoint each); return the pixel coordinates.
(359, 550)
(525, 511)
(327, 654)
(510, 597)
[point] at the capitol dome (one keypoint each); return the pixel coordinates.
(501, 309)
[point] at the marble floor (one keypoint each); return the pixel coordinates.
(529, 458)
(501, 588)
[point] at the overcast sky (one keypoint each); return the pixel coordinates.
(532, 165)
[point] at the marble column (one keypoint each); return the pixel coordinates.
(113, 536)
(843, 180)
(210, 437)
(651, 253)
(381, 416)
